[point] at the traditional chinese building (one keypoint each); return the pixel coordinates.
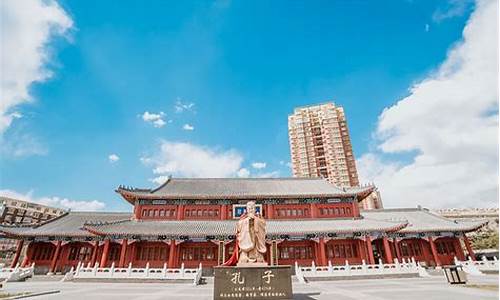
(192, 221)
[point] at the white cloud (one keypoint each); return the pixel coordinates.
(27, 28)
(155, 119)
(271, 174)
(113, 158)
(189, 160)
(243, 173)
(450, 122)
(258, 165)
(159, 180)
(427, 27)
(64, 203)
(188, 127)
(20, 145)
(454, 8)
(183, 106)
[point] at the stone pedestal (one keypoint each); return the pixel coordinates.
(253, 282)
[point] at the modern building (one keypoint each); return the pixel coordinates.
(192, 221)
(15, 211)
(320, 145)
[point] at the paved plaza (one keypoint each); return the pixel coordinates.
(414, 288)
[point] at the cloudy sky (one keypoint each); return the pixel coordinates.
(95, 94)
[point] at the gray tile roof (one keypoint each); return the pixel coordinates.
(227, 227)
(69, 224)
(226, 188)
(402, 220)
(421, 220)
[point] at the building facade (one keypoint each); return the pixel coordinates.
(320, 145)
(192, 221)
(15, 211)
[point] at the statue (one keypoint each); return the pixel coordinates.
(250, 239)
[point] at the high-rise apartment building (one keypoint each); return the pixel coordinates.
(320, 144)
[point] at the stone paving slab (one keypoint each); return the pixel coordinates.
(433, 288)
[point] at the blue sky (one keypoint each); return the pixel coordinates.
(237, 67)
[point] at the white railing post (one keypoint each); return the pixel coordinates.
(112, 270)
(147, 270)
(164, 271)
(330, 267)
(94, 271)
(129, 269)
(313, 267)
(398, 266)
(365, 268)
(182, 269)
(347, 268)
(380, 265)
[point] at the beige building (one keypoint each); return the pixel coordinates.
(17, 212)
(320, 144)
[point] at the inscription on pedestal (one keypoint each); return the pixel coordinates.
(269, 282)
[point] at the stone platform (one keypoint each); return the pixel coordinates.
(253, 282)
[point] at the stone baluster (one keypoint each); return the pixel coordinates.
(129, 269)
(330, 267)
(164, 271)
(347, 268)
(364, 266)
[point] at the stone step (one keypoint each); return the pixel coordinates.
(45, 278)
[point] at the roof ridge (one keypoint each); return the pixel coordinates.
(249, 178)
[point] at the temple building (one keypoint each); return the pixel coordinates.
(192, 221)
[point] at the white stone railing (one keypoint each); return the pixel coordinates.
(405, 267)
(17, 273)
(146, 273)
(478, 267)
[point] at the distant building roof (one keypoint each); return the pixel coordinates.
(248, 188)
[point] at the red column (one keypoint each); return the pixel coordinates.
(172, 255)
(313, 210)
(387, 250)
(105, 253)
(434, 252)
(94, 253)
(19, 247)
(355, 208)
(371, 259)
(53, 263)
(223, 212)
(123, 251)
(322, 252)
(470, 252)
(137, 211)
(27, 256)
(180, 212)
(396, 246)
(270, 211)
(362, 250)
(458, 249)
